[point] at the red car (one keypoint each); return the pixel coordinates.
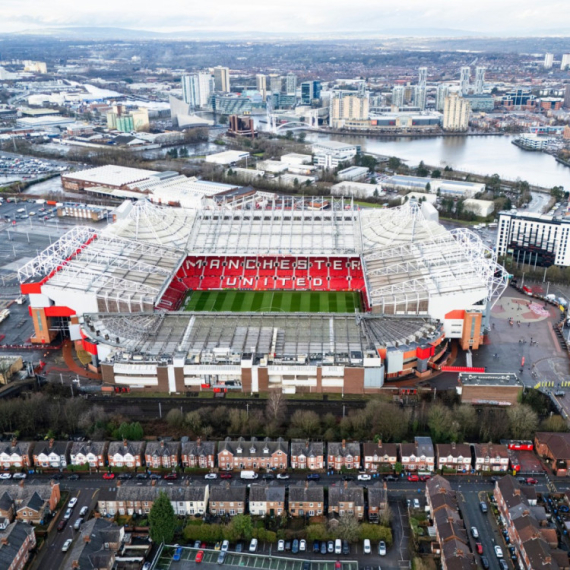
(425, 478)
(199, 556)
(226, 475)
(108, 475)
(203, 545)
(531, 481)
(413, 478)
(61, 525)
(171, 476)
(479, 548)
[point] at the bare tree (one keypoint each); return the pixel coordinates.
(276, 407)
(523, 421)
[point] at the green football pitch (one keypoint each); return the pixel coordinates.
(273, 301)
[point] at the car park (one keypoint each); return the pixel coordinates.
(366, 546)
(66, 545)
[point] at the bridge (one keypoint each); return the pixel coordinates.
(278, 122)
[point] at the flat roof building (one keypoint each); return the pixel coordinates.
(110, 176)
(227, 157)
(454, 188)
(496, 389)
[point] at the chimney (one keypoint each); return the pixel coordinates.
(379, 443)
(14, 442)
(199, 442)
(453, 445)
(21, 483)
(125, 442)
(5, 540)
(162, 444)
(51, 442)
(346, 484)
(344, 443)
(306, 444)
(86, 537)
(118, 483)
(187, 482)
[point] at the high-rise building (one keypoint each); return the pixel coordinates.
(479, 80)
(261, 84)
(398, 96)
(456, 113)
(419, 97)
(348, 106)
(310, 90)
(440, 95)
(222, 79)
(465, 74)
(422, 76)
(548, 60)
(197, 88)
(128, 121)
(565, 63)
(290, 87)
(567, 96)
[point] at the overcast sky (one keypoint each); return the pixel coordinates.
(496, 16)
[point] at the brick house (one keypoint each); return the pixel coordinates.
(346, 499)
(92, 453)
(16, 454)
(555, 448)
(227, 499)
(126, 453)
(306, 499)
(418, 456)
(491, 457)
(454, 456)
(377, 501)
(267, 500)
(199, 454)
(253, 454)
(162, 454)
(16, 541)
(343, 454)
(129, 498)
(307, 454)
(379, 457)
(28, 503)
(54, 454)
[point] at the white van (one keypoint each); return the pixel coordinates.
(248, 475)
(21, 210)
(338, 546)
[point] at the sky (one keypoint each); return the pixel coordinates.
(509, 17)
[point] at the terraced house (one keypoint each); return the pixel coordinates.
(16, 541)
(16, 454)
(92, 453)
(54, 454)
(28, 503)
(346, 499)
(306, 499)
(227, 499)
(377, 501)
(253, 454)
(380, 457)
(267, 500)
(343, 455)
(164, 454)
(418, 456)
(307, 454)
(126, 453)
(199, 454)
(491, 457)
(454, 456)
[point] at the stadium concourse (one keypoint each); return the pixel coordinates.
(287, 293)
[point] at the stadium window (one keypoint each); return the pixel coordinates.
(223, 263)
(328, 263)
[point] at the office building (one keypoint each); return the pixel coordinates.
(329, 154)
(347, 106)
(534, 239)
(310, 91)
(290, 84)
(479, 80)
(128, 121)
(261, 85)
(483, 103)
(230, 104)
(441, 93)
(465, 74)
(565, 63)
(398, 96)
(548, 60)
(518, 99)
(222, 79)
(197, 88)
(275, 83)
(419, 98)
(456, 113)
(567, 96)
(422, 76)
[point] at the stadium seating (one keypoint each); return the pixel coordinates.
(263, 274)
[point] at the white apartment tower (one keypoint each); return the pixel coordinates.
(422, 76)
(479, 80)
(464, 77)
(440, 95)
(222, 79)
(398, 96)
(548, 60)
(565, 63)
(261, 84)
(197, 88)
(456, 113)
(420, 97)
(348, 106)
(290, 84)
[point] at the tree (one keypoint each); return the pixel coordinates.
(194, 421)
(302, 136)
(375, 193)
(441, 423)
(175, 417)
(436, 173)
(348, 528)
(223, 120)
(394, 163)
(554, 423)
(276, 407)
(422, 170)
(243, 526)
(428, 187)
(304, 424)
(162, 520)
(523, 421)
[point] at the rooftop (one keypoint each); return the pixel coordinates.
(110, 175)
(490, 379)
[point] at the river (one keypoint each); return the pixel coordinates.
(480, 155)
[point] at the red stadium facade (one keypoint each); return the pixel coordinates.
(203, 273)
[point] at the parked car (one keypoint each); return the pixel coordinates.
(221, 557)
(61, 525)
(211, 476)
(268, 477)
(155, 476)
(225, 545)
(306, 565)
(313, 477)
(199, 556)
(5, 476)
(324, 547)
(84, 510)
(78, 523)
(222, 475)
(19, 476)
(338, 546)
(367, 547)
(479, 547)
(413, 478)
(416, 503)
(390, 478)
(66, 545)
(498, 551)
(424, 478)
(345, 547)
(142, 476)
(239, 547)
(382, 548)
(302, 545)
(57, 476)
(316, 547)
(171, 476)
(67, 514)
(330, 547)
(287, 545)
(531, 481)
(125, 476)
(281, 546)
(253, 545)
(282, 476)
(485, 562)
(177, 554)
(295, 549)
(196, 544)
(108, 475)
(72, 502)
(483, 506)
(364, 477)
(74, 477)
(503, 564)
(347, 478)
(474, 532)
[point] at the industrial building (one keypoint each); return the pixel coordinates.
(444, 187)
(498, 389)
(329, 154)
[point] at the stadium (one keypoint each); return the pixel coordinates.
(265, 292)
